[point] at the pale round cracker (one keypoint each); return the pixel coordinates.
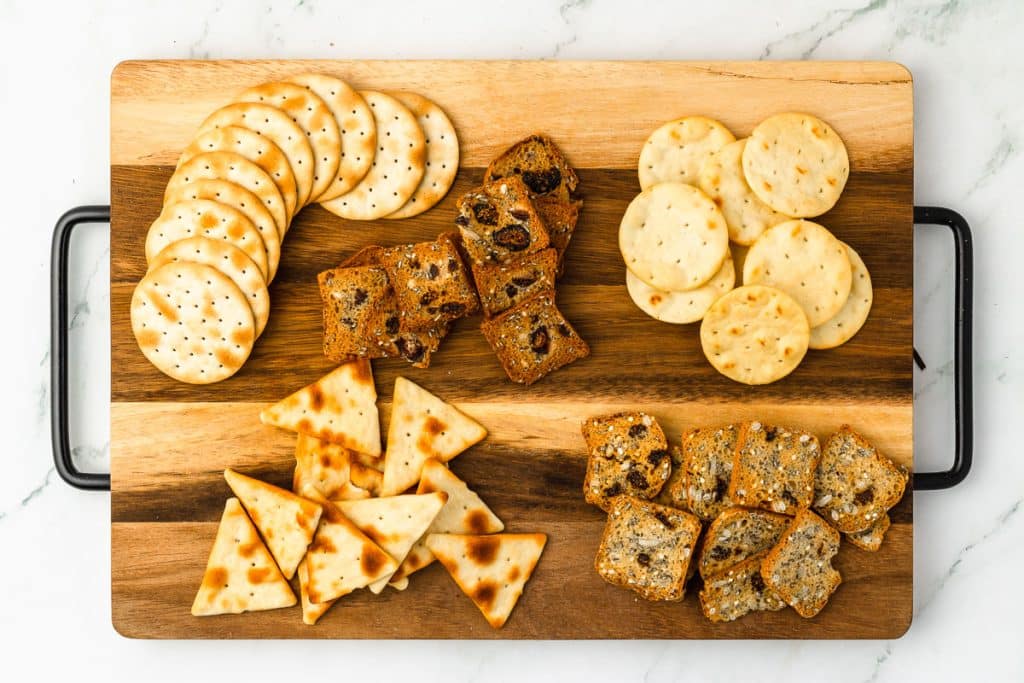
(680, 308)
(442, 154)
(206, 218)
(755, 334)
(721, 177)
(805, 261)
(239, 198)
(675, 151)
(228, 259)
(356, 125)
(192, 322)
(398, 164)
(796, 164)
(233, 168)
(841, 327)
(673, 237)
(315, 119)
(279, 128)
(256, 148)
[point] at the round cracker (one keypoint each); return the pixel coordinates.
(796, 164)
(841, 327)
(805, 261)
(755, 334)
(442, 154)
(228, 259)
(315, 119)
(239, 198)
(233, 168)
(254, 147)
(279, 128)
(192, 322)
(356, 125)
(676, 151)
(398, 163)
(680, 308)
(721, 178)
(206, 218)
(673, 237)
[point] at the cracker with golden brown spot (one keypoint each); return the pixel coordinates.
(680, 308)
(192, 322)
(340, 407)
(491, 570)
(676, 151)
(841, 327)
(326, 468)
(240, 574)
(422, 427)
(367, 478)
(442, 155)
(311, 611)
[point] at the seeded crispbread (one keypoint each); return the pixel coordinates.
(499, 223)
(285, 520)
(357, 304)
(325, 467)
(228, 259)
(721, 178)
(559, 218)
(755, 334)
(233, 168)
(491, 570)
(707, 469)
(422, 427)
(673, 493)
(807, 262)
(464, 513)
(256, 148)
(854, 484)
(673, 237)
(340, 407)
(680, 308)
(737, 534)
(240, 574)
(192, 322)
(796, 164)
(774, 467)
(628, 455)
(206, 218)
(871, 538)
(738, 591)
(430, 283)
(799, 567)
(398, 165)
(279, 128)
(647, 548)
(356, 125)
(676, 150)
(502, 285)
(540, 164)
(841, 327)
(394, 523)
(442, 154)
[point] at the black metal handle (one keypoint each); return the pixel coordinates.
(963, 401)
(59, 348)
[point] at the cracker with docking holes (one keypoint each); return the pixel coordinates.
(442, 155)
(675, 152)
(680, 308)
(841, 327)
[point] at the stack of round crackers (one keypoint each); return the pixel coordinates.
(704, 190)
(253, 165)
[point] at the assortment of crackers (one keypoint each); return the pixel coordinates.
(709, 199)
(775, 503)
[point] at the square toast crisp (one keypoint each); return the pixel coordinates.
(356, 305)
(540, 164)
(735, 535)
(707, 466)
(773, 468)
(502, 285)
(499, 223)
(628, 455)
(871, 538)
(799, 567)
(738, 591)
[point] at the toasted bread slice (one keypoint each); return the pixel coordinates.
(738, 591)
(799, 567)
(773, 468)
(707, 464)
(539, 162)
(871, 538)
(735, 535)
(628, 455)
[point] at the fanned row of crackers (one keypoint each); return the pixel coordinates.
(775, 504)
(360, 516)
(252, 166)
(704, 189)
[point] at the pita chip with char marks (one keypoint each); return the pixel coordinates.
(326, 467)
(240, 575)
(311, 611)
(340, 407)
(491, 570)
(422, 427)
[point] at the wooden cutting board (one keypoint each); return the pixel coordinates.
(171, 441)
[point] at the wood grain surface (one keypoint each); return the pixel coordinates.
(171, 441)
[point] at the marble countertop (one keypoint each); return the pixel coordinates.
(968, 64)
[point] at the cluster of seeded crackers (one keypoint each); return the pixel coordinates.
(363, 516)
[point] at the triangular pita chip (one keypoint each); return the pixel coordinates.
(286, 521)
(340, 407)
(342, 559)
(422, 427)
(325, 467)
(464, 513)
(491, 570)
(394, 523)
(400, 584)
(311, 611)
(240, 575)
(367, 478)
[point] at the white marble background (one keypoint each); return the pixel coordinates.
(968, 62)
